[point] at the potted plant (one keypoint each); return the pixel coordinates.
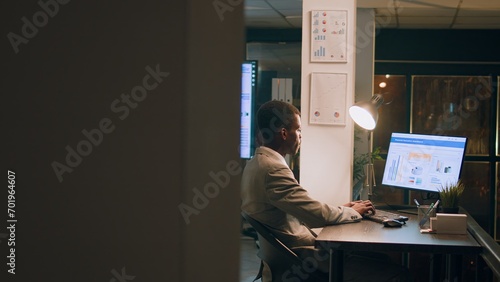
(449, 196)
(360, 161)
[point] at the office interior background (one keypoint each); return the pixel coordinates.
(428, 57)
(437, 65)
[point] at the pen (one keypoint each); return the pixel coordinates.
(416, 202)
(436, 204)
(426, 215)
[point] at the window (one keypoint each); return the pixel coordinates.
(452, 105)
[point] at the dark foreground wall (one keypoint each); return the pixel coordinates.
(116, 114)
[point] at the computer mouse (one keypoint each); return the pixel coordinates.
(403, 219)
(392, 223)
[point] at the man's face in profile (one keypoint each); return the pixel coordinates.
(294, 136)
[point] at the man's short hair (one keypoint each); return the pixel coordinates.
(274, 115)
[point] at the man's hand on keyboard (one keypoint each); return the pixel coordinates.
(361, 207)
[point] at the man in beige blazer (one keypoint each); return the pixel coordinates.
(271, 194)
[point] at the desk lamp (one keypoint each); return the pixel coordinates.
(365, 114)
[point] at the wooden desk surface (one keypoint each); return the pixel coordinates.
(371, 236)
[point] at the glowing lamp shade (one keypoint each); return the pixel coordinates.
(365, 113)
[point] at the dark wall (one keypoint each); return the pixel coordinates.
(100, 174)
(438, 45)
(437, 52)
(273, 35)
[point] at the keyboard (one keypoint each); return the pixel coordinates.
(382, 215)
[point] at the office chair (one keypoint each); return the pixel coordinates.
(278, 256)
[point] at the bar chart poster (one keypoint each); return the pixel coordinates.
(329, 36)
(328, 98)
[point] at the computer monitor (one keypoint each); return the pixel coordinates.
(423, 162)
(247, 96)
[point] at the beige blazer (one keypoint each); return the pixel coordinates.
(271, 195)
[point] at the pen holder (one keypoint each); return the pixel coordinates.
(425, 212)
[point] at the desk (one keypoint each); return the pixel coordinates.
(371, 236)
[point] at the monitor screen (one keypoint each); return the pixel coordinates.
(423, 162)
(248, 86)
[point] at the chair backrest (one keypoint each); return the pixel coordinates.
(278, 256)
(278, 251)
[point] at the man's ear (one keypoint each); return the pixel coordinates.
(283, 133)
